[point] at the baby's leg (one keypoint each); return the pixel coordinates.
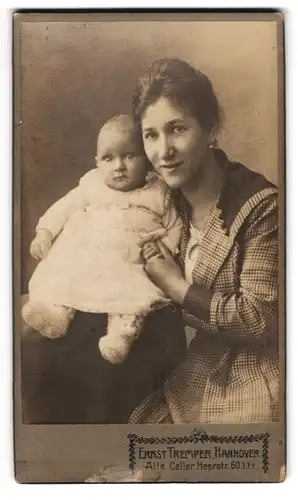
(50, 320)
(122, 331)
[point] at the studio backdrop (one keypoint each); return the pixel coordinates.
(74, 76)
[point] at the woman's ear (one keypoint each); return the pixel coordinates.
(212, 139)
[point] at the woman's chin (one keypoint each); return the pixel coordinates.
(174, 182)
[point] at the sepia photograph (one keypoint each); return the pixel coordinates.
(149, 271)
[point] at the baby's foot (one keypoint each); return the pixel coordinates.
(51, 323)
(114, 354)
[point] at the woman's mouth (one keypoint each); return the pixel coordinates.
(171, 167)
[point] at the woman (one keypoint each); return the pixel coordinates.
(226, 280)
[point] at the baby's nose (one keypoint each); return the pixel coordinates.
(120, 165)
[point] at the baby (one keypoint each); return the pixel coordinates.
(95, 263)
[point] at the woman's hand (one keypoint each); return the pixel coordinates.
(163, 271)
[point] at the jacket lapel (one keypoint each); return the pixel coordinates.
(213, 250)
(185, 215)
(242, 191)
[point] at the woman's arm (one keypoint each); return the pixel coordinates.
(250, 314)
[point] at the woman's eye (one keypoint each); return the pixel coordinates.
(179, 129)
(149, 135)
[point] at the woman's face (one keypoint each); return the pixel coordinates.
(174, 142)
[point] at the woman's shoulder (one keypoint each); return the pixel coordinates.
(240, 176)
(243, 190)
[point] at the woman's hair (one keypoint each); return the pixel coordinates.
(182, 84)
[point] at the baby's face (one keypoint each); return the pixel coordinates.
(121, 160)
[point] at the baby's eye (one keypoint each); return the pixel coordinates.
(107, 158)
(130, 155)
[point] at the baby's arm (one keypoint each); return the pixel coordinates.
(58, 214)
(170, 226)
(53, 221)
(41, 244)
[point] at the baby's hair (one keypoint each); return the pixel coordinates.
(126, 123)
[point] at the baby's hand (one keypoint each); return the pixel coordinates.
(41, 244)
(155, 235)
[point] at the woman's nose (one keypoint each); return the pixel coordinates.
(166, 149)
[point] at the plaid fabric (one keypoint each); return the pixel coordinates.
(230, 373)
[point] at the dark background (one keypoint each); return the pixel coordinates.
(74, 76)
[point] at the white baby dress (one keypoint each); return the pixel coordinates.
(95, 263)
